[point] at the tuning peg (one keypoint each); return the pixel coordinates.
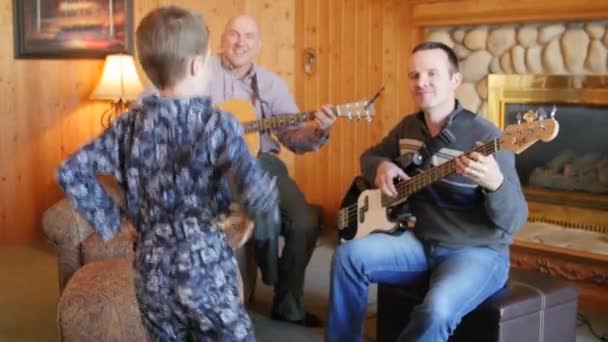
(530, 116)
(542, 115)
(553, 112)
(519, 117)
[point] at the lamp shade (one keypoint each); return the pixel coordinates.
(119, 80)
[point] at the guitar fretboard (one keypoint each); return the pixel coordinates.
(421, 180)
(277, 122)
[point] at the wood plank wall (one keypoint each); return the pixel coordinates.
(45, 113)
(362, 44)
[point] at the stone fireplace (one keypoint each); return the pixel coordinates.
(553, 48)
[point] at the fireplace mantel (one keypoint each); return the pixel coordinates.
(535, 88)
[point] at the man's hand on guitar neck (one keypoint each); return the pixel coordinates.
(483, 170)
(385, 176)
(325, 119)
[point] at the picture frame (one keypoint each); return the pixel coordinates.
(87, 29)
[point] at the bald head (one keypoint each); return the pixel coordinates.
(242, 20)
(241, 42)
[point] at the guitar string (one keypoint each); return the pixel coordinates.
(276, 121)
(420, 181)
(296, 118)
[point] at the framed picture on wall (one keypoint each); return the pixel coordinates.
(72, 28)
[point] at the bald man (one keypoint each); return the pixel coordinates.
(236, 76)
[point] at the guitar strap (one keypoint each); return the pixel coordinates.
(422, 157)
(447, 136)
(256, 93)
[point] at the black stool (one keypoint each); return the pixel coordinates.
(531, 307)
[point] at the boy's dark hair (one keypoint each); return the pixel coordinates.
(166, 37)
(431, 45)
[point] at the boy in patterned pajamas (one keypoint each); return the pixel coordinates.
(180, 164)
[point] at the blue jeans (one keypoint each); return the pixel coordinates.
(460, 279)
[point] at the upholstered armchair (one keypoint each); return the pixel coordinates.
(97, 299)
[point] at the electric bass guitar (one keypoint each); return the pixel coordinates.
(376, 212)
(245, 112)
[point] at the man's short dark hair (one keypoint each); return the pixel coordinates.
(452, 58)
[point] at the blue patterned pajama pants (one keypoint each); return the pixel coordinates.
(186, 284)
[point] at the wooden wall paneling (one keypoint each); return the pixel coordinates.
(349, 73)
(299, 76)
(376, 69)
(449, 12)
(331, 170)
(17, 158)
(8, 123)
(411, 35)
(43, 133)
(362, 77)
(348, 79)
(390, 66)
(310, 27)
(324, 178)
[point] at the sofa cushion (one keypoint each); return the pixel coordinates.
(63, 224)
(95, 249)
(99, 304)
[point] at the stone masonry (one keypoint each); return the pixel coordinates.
(573, 48)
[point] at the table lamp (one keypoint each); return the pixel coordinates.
(119, 83)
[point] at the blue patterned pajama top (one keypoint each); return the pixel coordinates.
(180, 164)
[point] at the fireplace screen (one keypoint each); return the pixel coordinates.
(577, 159)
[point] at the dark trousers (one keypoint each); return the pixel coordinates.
(300, 227)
